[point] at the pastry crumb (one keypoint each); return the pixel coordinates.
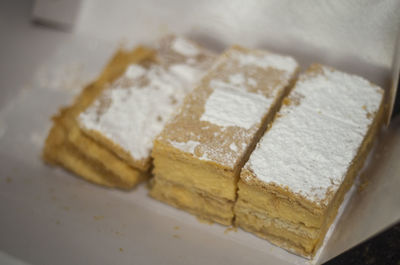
(363, 185)
(286, 101)
(97, 218)
(204, 221)
(230, 229)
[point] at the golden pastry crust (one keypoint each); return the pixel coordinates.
(200, 204)
(129, 114)
(188, 125)
(109, 161)
(60, 150)
(205, 158)
(123, 155)
(259, 202)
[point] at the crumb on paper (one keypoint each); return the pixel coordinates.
(176, 236)
(286, 101)
(272, 248)
(204, 221)
(58, 222)
(121, 250)
(176, 227)
(363, 182)
(230, 229)
(8, 180)
(98, 217)
(363, 185)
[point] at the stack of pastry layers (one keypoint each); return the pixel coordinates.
(107, 134)
(295, 180)
(287, 190)
(199, 154)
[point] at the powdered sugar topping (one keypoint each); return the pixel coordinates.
(187, 147)
(341, 96)
(136, 114)
(184, 47)
(280, 62)
(185, 71)
(135, 71)
(311, 145)
(233, 147)
(252, 82)
(136, 107)
(225, 113)
(229, 105)
(237, 79)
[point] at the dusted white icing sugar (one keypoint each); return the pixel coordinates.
(342, 96)
(184, 47)
(135, 114)
(280, 62)
(306, 152)
(185, 71)
(233, 147)
(187, 147)
(134, 71)
(135, 108)
(252, 82)
(313, 142)
(237, 79)
(232, 106)
(225, 113)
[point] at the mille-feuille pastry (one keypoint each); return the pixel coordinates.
(116, 130)
(295, 180)
(199, 154)
(58, 150)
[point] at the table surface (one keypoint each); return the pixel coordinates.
(384, 248)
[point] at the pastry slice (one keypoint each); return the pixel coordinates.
(114, 128)
(295, 180)
(199, 154)
(59, 150)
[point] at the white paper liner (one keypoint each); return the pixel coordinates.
(59, 209)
